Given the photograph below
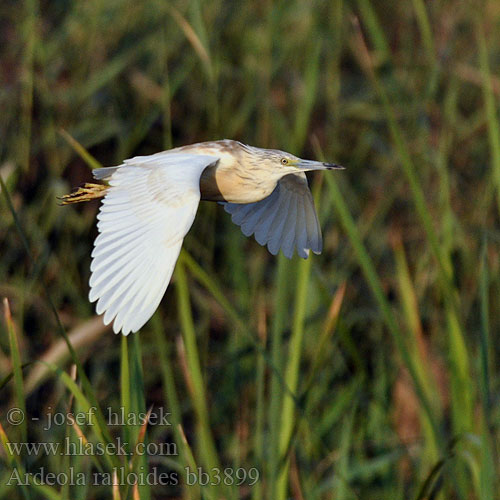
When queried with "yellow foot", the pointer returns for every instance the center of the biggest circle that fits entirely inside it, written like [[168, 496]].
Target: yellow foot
[[86, 193]]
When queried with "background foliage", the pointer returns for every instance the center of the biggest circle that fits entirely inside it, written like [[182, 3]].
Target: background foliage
[[367, 372]]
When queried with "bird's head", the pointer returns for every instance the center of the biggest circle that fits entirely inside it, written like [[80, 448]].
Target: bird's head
[[279, 163]]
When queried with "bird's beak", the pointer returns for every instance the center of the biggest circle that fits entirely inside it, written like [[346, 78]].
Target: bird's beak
[[317, 165]]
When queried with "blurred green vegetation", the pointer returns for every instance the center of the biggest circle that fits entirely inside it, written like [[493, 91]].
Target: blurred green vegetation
[[367, 372]]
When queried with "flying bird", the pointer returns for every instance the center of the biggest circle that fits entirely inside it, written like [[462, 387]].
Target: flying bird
[[149, 204]]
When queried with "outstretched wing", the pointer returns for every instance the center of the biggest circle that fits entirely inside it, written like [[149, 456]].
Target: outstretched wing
[[147, 211], [286, 219]]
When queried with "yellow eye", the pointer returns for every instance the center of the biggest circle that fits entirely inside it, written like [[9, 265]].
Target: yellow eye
[[284, 161]]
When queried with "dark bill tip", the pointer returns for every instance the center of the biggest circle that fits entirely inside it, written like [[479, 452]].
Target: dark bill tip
[[317, 165], [333, 166]]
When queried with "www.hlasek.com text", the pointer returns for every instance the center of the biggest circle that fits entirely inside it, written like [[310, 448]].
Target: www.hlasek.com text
[[81, 447]]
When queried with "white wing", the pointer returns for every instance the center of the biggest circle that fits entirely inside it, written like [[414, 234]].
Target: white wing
[[286, 219], [147, 211]]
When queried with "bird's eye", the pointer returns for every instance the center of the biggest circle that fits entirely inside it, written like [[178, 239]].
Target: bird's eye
[[284, 161]]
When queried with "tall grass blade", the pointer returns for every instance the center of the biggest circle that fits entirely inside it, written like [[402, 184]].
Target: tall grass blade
[[171, 397], [14, 462], [138, 408], [425, 30], [306, 103], [346, 441], [328, 329], [80, 150], [375, 30], [126, 405], [29, 33], [259, 432], [485, 345], [207, 447], [491, 107], [292, 374], [488, 477], [276, 392], [199, 47], [17, 369], [417, 348], [194, 490]]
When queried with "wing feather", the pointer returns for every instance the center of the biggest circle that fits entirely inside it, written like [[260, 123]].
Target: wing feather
[[313, 230], [276, 229], [285, 220], [103, 173], [302, 238], [288, 238], [147, 211], [263, 225], [252, 219]]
